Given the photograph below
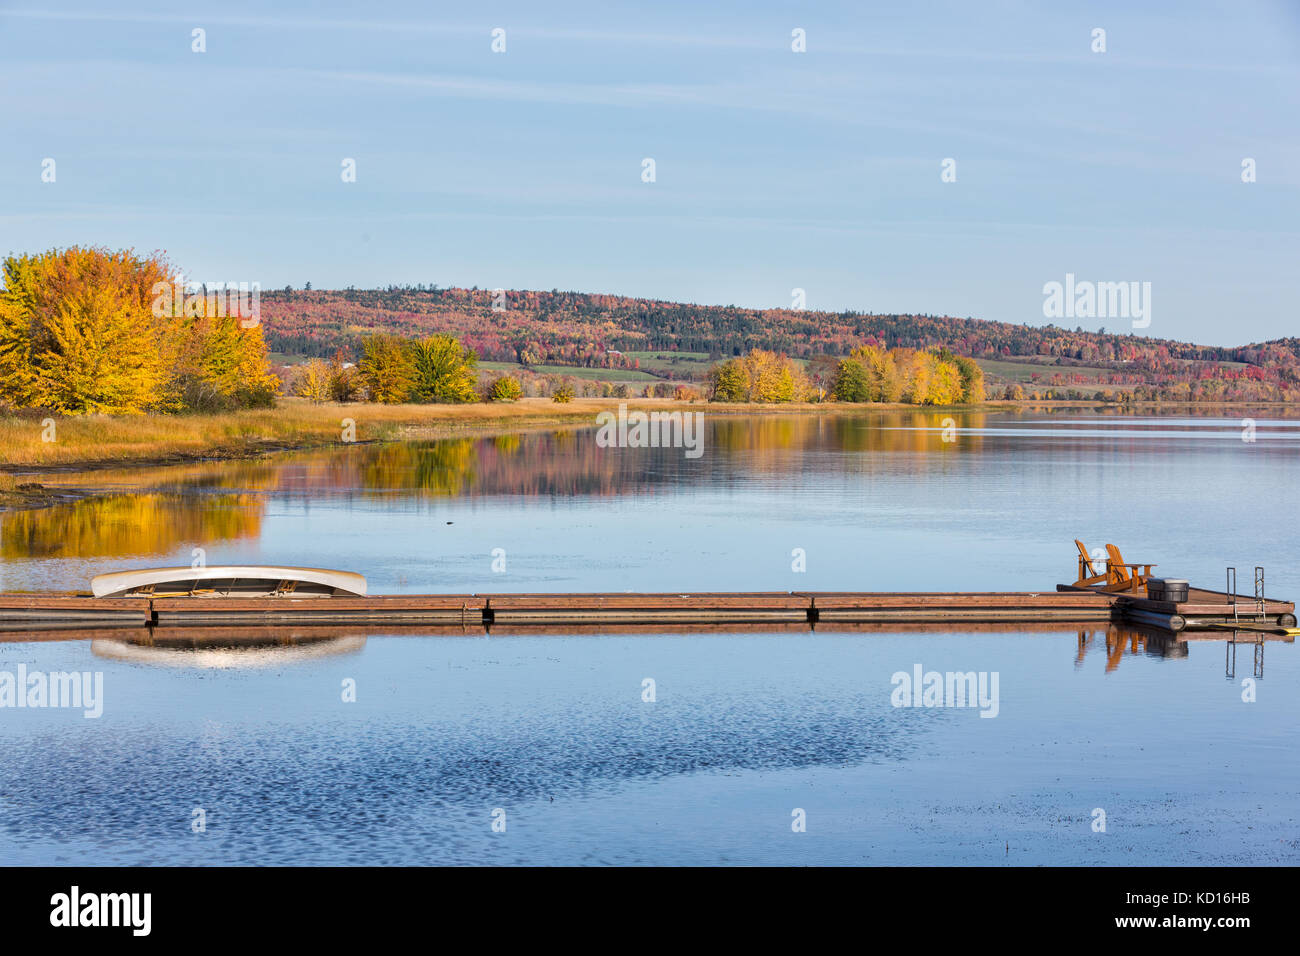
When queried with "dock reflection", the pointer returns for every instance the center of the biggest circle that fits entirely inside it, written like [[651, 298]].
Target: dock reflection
[[273, 646], [1115, 641]]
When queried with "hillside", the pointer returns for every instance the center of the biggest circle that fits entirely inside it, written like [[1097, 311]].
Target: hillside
[[672, 340]]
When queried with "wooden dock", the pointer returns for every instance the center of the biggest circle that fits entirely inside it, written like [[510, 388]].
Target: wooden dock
[[1066, 604], [1203, 609]]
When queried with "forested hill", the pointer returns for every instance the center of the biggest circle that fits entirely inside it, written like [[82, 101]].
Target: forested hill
[[584, 329]]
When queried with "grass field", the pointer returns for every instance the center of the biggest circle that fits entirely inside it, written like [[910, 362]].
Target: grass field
[[694, 364], [586, 374], [1007, 371]]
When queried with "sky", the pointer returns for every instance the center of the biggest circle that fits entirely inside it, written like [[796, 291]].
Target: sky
[[774, 170]]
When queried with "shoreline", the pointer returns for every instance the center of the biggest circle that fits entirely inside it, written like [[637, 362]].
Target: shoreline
[[297, 425], [96, 443]]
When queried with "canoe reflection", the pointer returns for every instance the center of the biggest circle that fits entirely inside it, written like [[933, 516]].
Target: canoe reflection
[[231, 649]]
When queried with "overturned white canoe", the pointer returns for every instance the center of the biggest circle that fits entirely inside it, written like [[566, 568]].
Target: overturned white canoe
[[230, 580]]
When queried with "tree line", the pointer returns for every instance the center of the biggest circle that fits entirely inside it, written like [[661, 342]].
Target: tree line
[[868, 374], [394, 370], [555, 320]]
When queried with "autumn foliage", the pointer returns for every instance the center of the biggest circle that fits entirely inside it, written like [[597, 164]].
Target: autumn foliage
[[387, 369], [760, 376], [504, 389], [874, 374], [394, 370], [81, 332], [592, 330]]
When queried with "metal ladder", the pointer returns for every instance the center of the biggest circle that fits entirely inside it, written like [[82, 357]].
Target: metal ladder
[[1231, 585], [1259, 593]]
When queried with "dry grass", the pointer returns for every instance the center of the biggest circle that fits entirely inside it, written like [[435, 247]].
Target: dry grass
[[294, 423]]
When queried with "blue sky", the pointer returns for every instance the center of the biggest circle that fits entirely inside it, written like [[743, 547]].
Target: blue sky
[[775, 170]]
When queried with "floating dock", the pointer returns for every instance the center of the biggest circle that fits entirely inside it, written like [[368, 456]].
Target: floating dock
[[1203, 610], [1067, 604]]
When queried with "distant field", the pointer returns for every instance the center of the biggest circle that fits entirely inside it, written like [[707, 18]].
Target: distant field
[[588, 374], [1220, 364], [1006, 371], [693, 364], [669, 354]]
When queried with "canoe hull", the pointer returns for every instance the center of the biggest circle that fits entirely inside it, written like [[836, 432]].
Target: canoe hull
[[229, 580]]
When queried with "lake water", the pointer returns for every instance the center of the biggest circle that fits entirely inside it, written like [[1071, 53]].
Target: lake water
[[748, 732]]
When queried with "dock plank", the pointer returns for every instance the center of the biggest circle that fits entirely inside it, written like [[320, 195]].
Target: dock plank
[[713, 608]]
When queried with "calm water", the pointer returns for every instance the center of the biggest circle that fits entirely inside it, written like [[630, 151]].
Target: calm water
[[745, 728]]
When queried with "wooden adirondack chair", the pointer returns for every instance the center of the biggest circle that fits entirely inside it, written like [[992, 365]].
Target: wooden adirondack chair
[[1088, 575], [1125, 576]]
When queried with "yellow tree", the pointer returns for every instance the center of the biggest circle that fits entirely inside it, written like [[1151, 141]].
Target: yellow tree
[[235, 361], [17, 368], [884, 383], [85, 330], [94, 340], [945, 382], [764, 371], [788, 385], [774, 378], [387, 368], [312, 381], [215, 361], [914, 375]]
